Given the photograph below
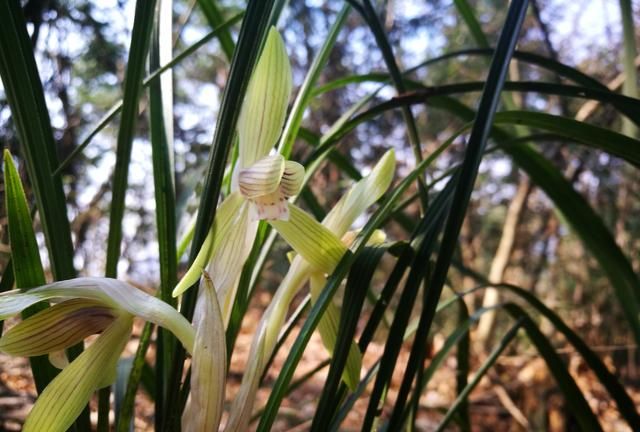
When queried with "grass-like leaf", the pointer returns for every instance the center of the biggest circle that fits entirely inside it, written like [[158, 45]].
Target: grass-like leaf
[[161, 125], [254, 28], [474, 152], [215, 17], [140, 37], [357, 285], [491, 359], [25, 258], [29, 113]]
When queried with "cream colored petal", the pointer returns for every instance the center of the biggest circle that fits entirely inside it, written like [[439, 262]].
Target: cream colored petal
[[57, 328], [59, 359], [270, 207], [265, 104], [361, 195], [292, 179], [230, 255], [67, 395], [110, 292], [226, 218], [263, 177]]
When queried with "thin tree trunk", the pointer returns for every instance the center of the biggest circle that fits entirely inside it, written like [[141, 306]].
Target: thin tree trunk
[[501, 259]]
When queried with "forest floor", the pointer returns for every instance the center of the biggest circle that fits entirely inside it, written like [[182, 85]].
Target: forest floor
[[518, 394]]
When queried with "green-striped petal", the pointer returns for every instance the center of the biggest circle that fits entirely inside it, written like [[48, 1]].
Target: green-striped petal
[[314, 242], [328, 328], [226, 217], [265, 104], [292, 179], [261, 178], [110, 292], [57, 328], [229, 257], [208, 367], [361, 195], [66, 396], [264, 344]]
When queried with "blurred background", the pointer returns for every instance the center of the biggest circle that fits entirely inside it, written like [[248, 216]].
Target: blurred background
[[511, 232]]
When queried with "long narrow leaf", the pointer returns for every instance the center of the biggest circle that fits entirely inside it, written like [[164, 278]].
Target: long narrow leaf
[[214, 16], [25, 258], [140, 37], [475, 149], [254, 28], [161, 122], [31, 118]]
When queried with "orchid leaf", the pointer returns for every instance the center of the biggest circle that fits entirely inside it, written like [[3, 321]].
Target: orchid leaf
[[265, 104], [313, 241], [25, 256], [65, 397], [57, 328]]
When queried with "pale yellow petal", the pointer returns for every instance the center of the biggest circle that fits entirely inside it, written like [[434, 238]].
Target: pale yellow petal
[[230, 255], [361, 195], [226, 218], [57, 328], [292, 179], [208, 367], [112, 293], [67, 395], [314, 242], [261, 178], [265, 104]]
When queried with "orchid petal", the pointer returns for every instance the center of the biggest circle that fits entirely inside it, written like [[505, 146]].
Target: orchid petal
[[292, 179], [240, 414], [314, 242], [361, 195], [208, 367], [57, 328], [328, 328], [59, 359], [264, 344], [270, 207], [265, 104], [67, 395], [110, 292], [229, 257], [225, 219], [263, 177]]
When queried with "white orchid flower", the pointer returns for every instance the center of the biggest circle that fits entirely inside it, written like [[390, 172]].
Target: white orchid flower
[[86, 306], [261, 187], [338, 221]]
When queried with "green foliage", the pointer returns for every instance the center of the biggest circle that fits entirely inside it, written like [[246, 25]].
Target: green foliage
[[423, 212]]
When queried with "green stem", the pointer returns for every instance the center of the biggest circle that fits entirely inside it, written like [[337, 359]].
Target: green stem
[[630, 87]]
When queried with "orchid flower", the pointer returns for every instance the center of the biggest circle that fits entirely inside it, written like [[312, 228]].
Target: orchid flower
[[82, 307], [338, 221], [85, 306], [261, 186], [262, 183]]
